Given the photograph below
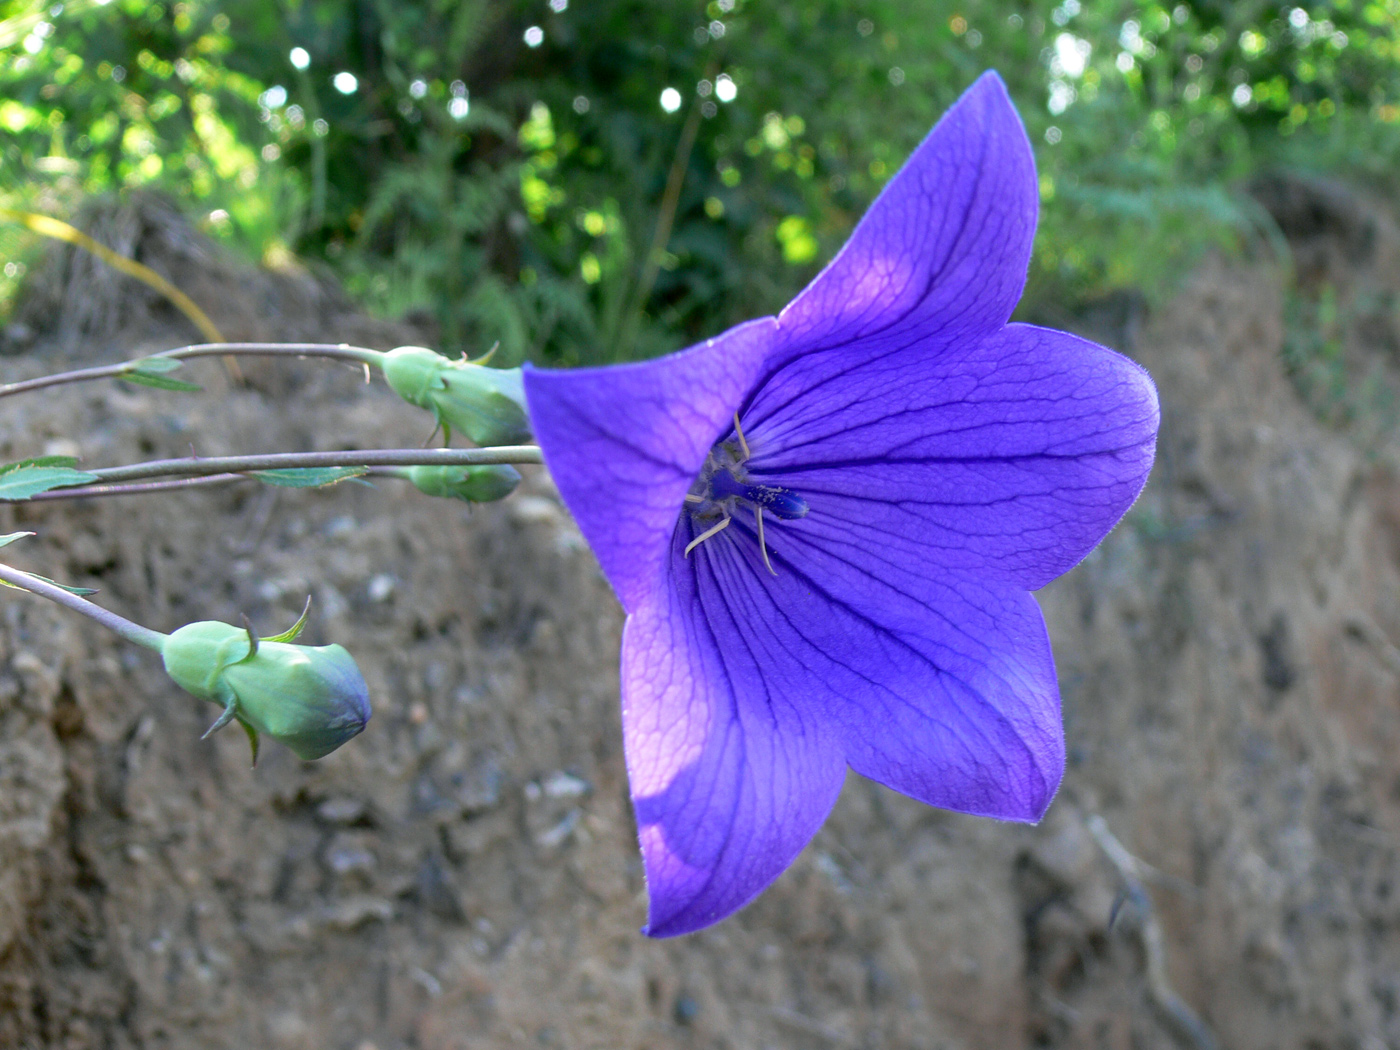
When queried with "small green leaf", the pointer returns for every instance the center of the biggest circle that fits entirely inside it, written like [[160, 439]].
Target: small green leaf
[[5, 541], [151, 371], [308, 477], [79, 591], [22, 482], [40, 461], [160, 382]]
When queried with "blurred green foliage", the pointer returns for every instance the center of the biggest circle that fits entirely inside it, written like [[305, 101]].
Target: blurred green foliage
[[593, 180]]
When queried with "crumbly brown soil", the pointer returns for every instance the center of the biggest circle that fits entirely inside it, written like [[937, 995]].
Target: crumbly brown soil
[[464, 874]]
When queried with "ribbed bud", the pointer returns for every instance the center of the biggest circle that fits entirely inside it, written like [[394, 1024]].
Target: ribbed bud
[[486, 404], [310, 697]]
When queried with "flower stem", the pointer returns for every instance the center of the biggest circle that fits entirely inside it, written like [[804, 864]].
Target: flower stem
[[334, 351], [132, 632], [378, 457], [138, 488], [142, 488]]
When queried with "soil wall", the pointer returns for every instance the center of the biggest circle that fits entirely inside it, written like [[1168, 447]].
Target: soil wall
[[465, 875]]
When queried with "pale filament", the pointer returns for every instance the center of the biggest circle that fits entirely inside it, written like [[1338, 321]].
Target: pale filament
[[705, 536], [763, 547], [743, 444]]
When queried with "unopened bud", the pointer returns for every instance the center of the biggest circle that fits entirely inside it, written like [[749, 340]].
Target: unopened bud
[[478, 484], [486, 404], [310, 697]]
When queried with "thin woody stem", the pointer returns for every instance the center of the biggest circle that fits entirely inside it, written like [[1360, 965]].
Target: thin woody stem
[[142, 488], [132, 632], [379, 457], [334, 351], [137, 488]]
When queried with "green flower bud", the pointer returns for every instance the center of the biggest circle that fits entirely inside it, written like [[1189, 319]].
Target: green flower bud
[[486, 404], [310, 697], [480, 484]]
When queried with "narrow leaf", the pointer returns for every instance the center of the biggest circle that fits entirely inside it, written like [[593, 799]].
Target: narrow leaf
[[152, 371], [308, 477], [24, 482], [160, 382], [79, 591], [5, 541], [290, 634], [40, 461]]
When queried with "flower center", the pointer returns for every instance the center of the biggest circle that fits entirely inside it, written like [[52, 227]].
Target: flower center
[[723, 483]]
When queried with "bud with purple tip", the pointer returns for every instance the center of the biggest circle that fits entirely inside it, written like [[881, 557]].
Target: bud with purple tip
[[310, 697]]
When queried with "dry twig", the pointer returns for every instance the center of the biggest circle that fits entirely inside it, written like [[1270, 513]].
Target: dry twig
[[1184, 1022]]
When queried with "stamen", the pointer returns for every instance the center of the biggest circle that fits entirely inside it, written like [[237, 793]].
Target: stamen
[[740, 431], [692, 498], [705, 536], [763, 547]]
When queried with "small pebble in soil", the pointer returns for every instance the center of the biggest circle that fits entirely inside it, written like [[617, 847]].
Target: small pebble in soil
[[344, 810], [381, 588], [686, 1010], [565, 785]]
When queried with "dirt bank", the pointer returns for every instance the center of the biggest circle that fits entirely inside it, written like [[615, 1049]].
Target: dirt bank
[[464, 875]]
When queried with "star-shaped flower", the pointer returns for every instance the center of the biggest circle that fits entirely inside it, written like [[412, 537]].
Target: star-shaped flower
[[824, 528]]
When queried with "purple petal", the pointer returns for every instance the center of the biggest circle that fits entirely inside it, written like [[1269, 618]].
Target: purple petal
[[730, 779], [939, 686], [972, 723], [624, 444], [1009, 458], [945, 247]]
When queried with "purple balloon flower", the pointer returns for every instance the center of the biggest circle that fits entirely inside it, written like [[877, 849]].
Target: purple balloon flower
[[824, 528]]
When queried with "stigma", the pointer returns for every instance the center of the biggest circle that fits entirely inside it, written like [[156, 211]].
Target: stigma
[[780, 502]]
